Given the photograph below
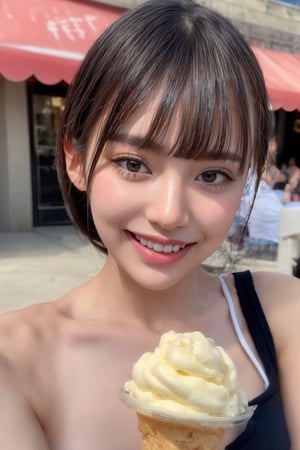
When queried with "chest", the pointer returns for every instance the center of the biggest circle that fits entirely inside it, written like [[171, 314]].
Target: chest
[[82, 408]]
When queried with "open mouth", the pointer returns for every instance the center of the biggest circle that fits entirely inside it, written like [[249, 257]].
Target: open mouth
[[158, 247]]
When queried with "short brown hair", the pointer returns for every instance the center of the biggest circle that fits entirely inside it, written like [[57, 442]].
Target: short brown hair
[[194, 56]]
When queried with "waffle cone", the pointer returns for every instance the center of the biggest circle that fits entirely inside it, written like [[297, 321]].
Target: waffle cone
[[163, 435]]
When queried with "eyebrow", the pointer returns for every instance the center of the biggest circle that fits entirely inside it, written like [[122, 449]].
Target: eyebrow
[[140, 143]]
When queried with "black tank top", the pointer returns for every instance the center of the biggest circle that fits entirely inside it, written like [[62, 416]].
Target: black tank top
[[267, 428]]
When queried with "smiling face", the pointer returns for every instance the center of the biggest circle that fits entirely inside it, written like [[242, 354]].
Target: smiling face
[[158, 215], [218, 73]]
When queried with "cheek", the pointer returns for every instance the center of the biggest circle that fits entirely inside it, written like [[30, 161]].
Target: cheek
[[105, 197], [221, 211], [110, 201]]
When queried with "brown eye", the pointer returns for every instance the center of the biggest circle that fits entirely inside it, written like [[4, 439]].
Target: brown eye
[[214, 178], [133, 165], [209, 177]]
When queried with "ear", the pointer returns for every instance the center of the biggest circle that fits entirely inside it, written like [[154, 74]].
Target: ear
[[74, 166]]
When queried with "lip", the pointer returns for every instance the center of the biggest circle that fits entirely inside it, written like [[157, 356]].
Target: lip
[[159, 240], [158, 258]]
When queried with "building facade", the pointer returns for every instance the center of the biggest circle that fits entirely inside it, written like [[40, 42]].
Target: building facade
[[30, 110], [269, 23]]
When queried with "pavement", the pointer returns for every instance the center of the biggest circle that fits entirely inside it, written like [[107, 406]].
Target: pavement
[[43, 264], [47, 262]]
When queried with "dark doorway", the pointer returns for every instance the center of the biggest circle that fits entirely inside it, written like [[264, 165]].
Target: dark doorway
[[46, 105]]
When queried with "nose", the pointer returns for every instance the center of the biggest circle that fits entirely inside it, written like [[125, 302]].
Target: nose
[[168, 203]]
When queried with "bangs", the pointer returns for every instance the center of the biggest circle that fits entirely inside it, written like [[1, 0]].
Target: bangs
[[214, 88], [210, 124]]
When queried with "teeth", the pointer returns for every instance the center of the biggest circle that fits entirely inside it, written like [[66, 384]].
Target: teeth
[[160, 248]]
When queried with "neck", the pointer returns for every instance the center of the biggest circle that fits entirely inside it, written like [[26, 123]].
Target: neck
[[130, 303]]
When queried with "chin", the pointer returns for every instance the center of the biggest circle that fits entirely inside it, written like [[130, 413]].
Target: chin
[[157, 281]]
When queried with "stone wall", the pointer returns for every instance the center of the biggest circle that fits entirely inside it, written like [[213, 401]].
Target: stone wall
[[263, 22]]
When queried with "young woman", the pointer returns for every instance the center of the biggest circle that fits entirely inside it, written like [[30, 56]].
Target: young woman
[[162, 122]]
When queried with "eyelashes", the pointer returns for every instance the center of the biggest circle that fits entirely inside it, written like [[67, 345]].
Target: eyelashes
[[215, 178], [133, 167]]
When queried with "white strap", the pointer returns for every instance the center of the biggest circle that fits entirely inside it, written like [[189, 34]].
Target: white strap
[[239, 333]]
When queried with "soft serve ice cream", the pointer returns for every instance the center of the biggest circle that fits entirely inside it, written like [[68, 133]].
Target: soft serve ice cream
[[185, 394], [187, 373]]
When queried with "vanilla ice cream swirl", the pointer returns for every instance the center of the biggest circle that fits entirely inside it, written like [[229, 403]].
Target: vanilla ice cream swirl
[[188, 372]]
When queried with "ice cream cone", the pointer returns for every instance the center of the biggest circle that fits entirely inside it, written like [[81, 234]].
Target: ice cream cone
[[186, 395], [165, 435]]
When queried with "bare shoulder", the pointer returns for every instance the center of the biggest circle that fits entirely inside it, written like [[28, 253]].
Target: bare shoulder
[[276, 288], [24, 345], [25, 333], [280, 297]]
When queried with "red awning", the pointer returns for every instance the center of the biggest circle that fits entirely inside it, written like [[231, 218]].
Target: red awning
[[48, 38], [282, 75]]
